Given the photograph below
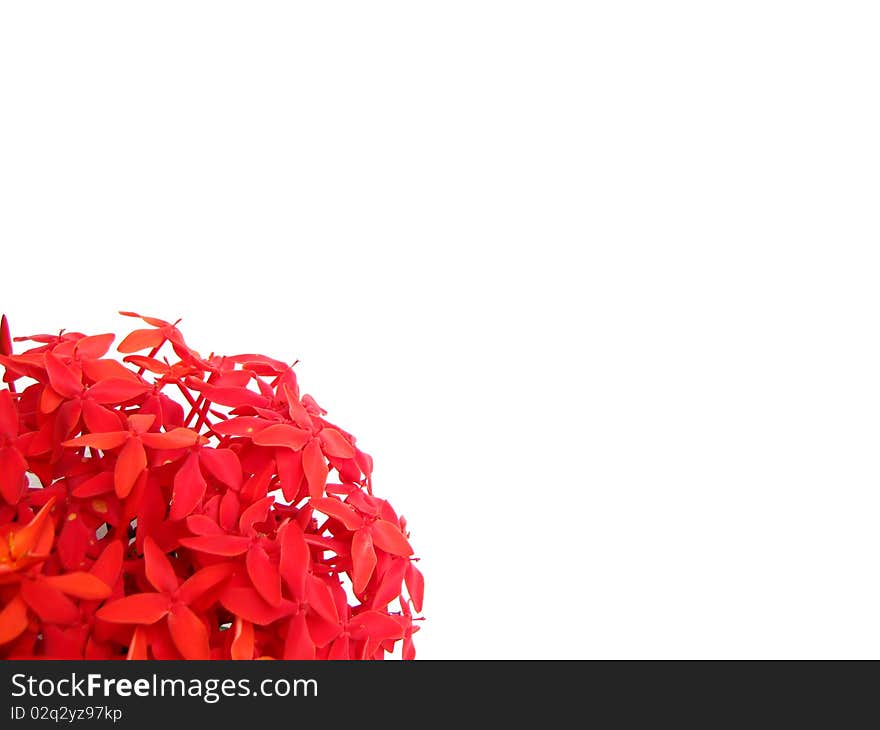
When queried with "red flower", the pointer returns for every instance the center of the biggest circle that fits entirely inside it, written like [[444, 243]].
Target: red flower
[[131, 460], [370, 531], [171, 601], [48, 596], [246, 540], [157, 529]]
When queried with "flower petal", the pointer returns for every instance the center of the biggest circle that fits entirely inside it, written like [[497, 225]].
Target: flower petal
[[149, 363], [245, 602], [108, 566], [315, 468], [99, 419], [363, 559], [290, 472], [130, 463], [176, 438], [98, 370], [73, 542], [254, 514], [243, 640], [189, 488], [335, 444], [137, 647], [139, 608], [321, 630], [117, 390], [67, 419], [94, 346], [141, 422], [155, 321], [340, 649], [264, 575], [49, 603], [5, 338], [29, 366], [79, 585], [298, 414], [102, 441], [415, 584], [13, 620], [223, 465], [12, 469], [158, 568], [339, 511], [229, 511], [64, 380], [240, 426], [408, 651], [189, 633], [8, 416], [282, 435], [101, 483], [141, 339], [50, 400], [321, 599], [295, 558], [203, 525], [388, 537], [204, 580], [391, 583], [227, 545], [27, 538], [374, 625], [298, 644]]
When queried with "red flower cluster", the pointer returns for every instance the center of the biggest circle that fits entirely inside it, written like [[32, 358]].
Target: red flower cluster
[[200, 531]]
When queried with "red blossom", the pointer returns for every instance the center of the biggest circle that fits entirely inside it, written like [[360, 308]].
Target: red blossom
[[193, 507]]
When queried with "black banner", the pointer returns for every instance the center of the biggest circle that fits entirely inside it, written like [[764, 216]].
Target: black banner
[[244, 694]]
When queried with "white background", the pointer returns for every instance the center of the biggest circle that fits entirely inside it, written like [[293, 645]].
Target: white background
[[595, 283]]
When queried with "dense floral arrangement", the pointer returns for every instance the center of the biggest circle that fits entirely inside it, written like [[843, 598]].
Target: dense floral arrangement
[[199, 526]]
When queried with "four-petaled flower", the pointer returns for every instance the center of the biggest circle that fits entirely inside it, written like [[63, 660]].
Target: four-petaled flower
[[171, 601]]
